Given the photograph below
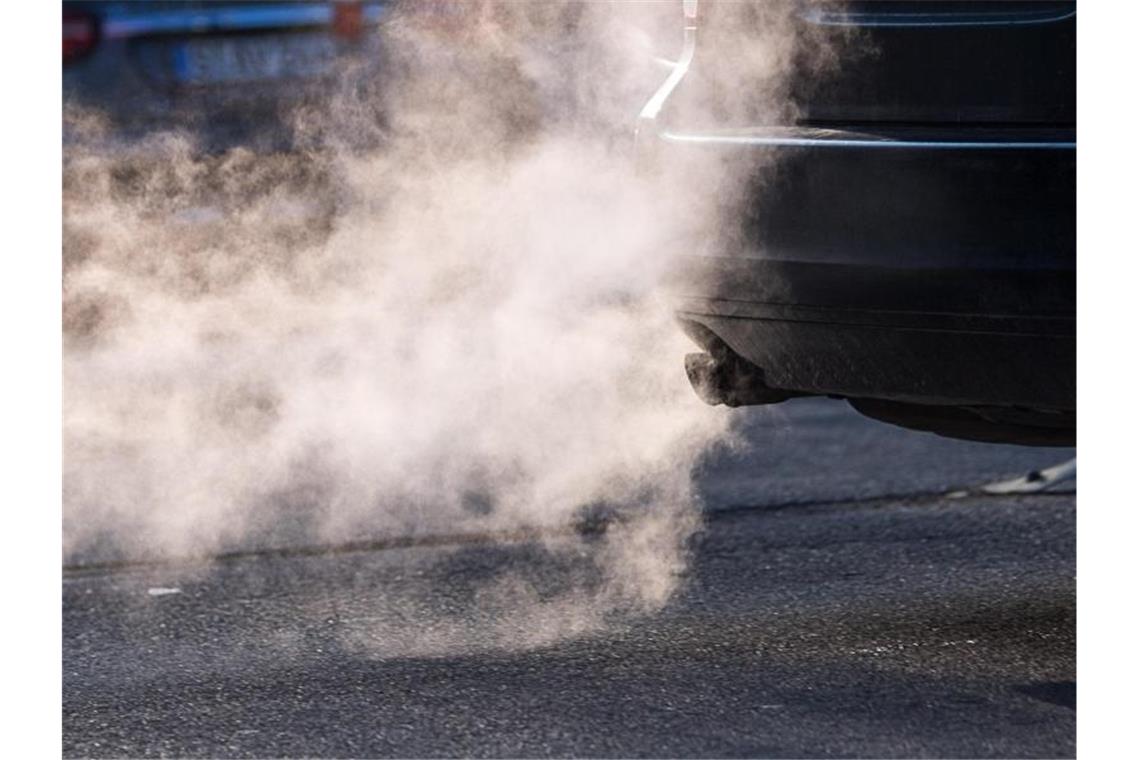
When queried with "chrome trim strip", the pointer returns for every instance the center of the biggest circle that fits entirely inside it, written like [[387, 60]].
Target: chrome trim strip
[[823, 17], [808, 142]]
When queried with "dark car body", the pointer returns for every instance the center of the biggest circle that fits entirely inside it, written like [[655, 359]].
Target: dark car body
[[231, 72], [907, 240]]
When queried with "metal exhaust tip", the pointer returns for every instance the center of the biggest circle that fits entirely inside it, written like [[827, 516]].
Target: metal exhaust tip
[[702, 371], [731, 381]]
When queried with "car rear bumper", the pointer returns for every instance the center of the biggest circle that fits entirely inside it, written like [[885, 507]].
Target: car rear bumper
[[915, 356], [918, 265]]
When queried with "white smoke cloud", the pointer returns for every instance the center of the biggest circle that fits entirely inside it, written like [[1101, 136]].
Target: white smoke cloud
[[454, 329]]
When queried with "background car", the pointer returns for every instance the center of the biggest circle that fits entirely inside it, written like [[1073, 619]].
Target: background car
[[229, 72]]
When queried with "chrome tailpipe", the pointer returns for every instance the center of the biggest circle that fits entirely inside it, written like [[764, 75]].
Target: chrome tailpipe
[[725, 378]]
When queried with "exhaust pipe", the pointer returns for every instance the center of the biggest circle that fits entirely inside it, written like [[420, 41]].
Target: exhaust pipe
[[725, 378]]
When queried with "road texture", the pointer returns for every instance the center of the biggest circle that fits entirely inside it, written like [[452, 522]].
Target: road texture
[[837, 603]]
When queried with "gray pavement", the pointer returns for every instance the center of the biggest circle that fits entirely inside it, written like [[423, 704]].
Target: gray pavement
[[837, 603]]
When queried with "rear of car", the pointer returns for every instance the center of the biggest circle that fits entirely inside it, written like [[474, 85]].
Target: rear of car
[[230, 72], [907, 237]]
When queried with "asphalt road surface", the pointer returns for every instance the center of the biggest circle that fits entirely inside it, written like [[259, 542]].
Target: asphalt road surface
[[837, 603]]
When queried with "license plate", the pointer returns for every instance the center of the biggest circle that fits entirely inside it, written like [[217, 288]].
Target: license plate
[[232, 60]]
